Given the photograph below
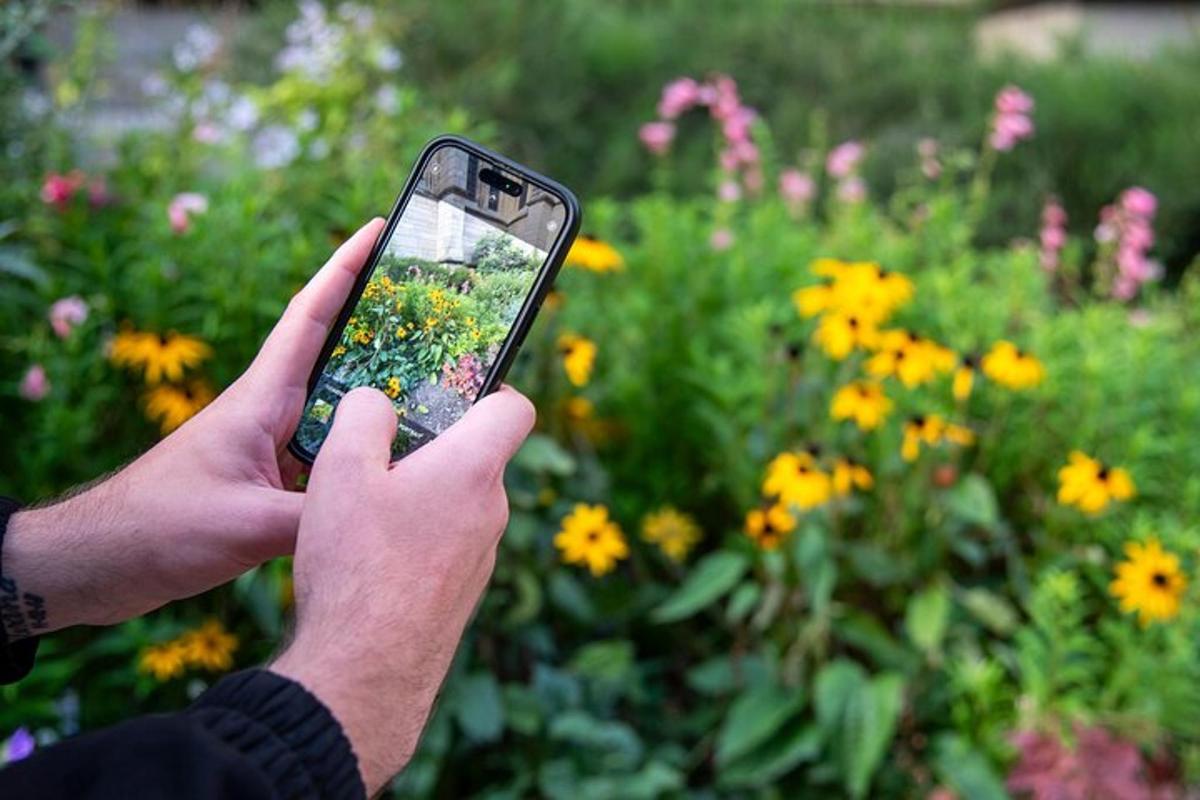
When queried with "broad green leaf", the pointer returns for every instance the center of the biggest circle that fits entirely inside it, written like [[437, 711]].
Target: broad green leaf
[[926, 617], [711, 578], [479, 708], [521, 709], [742, 601], [568, 595], [973, 501], [836, 683], [616, 741], [965, 770], [608, 660], [541, 454], [754, 717], [792, 745], [528, 601], [722, 674], [866, 633], [992, 609], [867, 730]]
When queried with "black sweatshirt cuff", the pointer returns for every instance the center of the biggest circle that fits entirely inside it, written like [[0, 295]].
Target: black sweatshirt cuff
[[16, 659], [285, 731]]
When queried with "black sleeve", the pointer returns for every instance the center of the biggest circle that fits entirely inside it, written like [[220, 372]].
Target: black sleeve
[[16, 659], [253, 735]]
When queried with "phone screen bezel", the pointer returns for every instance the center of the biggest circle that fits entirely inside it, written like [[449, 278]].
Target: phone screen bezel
[[533, 301]]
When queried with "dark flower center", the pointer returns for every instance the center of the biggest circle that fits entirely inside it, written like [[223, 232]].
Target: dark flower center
[[163, 340], [1159, 580], [593, 536], [1102, 474]]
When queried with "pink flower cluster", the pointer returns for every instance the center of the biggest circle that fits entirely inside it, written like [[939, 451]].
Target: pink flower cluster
[[35, 385], [1099, 765], [1012, 122], [797, 189], [720, 96], [67, 312], [1053, 234], [1128, 224], [182, 207], [59, 189], [927, 150], [842, 164]]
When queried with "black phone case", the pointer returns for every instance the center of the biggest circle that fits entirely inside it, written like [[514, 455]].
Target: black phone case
[[545, 278]]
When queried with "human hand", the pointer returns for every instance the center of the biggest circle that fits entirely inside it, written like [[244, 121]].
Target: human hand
[[204, 505], [390, 563]]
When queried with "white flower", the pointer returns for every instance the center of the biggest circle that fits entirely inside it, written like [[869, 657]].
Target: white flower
[[197, 48], [275, 146], [360, 16], [318, 148], [307, 120], [243, 114], [387, 99], [154, 85], [388, 58]]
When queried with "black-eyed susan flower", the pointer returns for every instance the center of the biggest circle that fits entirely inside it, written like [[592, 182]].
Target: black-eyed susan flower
[[861, 401], [1090, 486], [392, 389], [590, 538], [160, 356], [931, 430], [579, 356], [910, 358], [171, 405], [674, 532], [848, 474], [209, 647], [1149, 582], [590, 253], [862, 288], [769, 526], [840, 334], [1009, 366], [964, 378], [163, 661], [795, 479]]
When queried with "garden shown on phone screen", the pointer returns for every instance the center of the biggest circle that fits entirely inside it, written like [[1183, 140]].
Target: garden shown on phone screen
[[441, 301]]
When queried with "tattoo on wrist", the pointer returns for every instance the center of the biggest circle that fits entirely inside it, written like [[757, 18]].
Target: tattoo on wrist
[[21, 614]]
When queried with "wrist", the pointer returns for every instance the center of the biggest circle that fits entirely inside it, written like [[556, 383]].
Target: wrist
[[382, 724]]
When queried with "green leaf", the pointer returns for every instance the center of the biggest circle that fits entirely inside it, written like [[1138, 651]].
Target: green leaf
[[568, 595], [792, 745], [608, 660], [868, 728], [753, 718], [742, 601], [965, 770], [479, 707], [973, 501], [619, 743], [711, 578], [835, 684], [992, 609], [926, 618], [720, 675], [541, 454], [521, 709]]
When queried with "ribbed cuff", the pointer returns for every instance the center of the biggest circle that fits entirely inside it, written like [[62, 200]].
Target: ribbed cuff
[[16, 660], [285, 731]]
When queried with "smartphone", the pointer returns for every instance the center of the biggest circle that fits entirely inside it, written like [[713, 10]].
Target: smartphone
[[447, 295]]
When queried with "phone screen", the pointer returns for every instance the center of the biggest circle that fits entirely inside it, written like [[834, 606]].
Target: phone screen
[[443, 297]]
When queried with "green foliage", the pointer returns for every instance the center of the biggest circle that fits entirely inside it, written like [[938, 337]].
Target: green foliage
[[889, 645]]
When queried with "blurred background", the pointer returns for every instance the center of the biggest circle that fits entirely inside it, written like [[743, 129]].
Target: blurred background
[[922, 529]]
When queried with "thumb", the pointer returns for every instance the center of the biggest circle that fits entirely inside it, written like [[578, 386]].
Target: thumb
[[492, 430], [364, 425]]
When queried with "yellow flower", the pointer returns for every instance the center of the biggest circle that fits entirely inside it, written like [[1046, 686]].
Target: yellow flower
[[595, 255], [363, 336], [171, 406], [401, 331], [590, 538], [1009, 366], [795, 480], [849, 474], [579, 409], [964, 378], [840, 334], [910, 358], [162, 356], [862, 401], [674, 532], [164, 661], [1090, 485], [812, 300], [338, 351], [393, 387], [930, 430], [862, 289], [210, 646], [579, 356], [1149, 582], [769, 526]]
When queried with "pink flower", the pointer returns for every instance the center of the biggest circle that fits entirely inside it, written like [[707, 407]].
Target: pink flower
[[1139, 202], [182, 207], [754, 180], [57, 190], [729, 191], [65, 313], [35, 385], [1054, 215], [1053, 234], [852, 190], [927, 149], [678, 96], [1053, 238], [1011, 100], [844, 159], [736, 126], [796, 187], [657, 136], [721, 239], [98, 194]]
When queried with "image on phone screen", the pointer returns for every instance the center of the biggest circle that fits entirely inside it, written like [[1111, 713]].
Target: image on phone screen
[[442, 298]]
